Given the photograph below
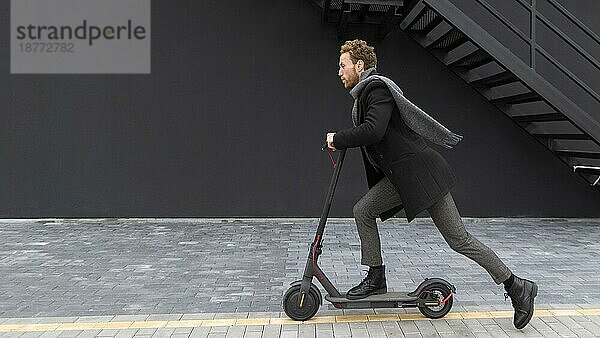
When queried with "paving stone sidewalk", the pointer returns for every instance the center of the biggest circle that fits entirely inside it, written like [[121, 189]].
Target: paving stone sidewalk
[[85, 267], [188, 325]]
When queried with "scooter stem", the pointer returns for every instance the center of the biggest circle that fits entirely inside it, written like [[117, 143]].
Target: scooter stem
[[329, 198], [312, 268]]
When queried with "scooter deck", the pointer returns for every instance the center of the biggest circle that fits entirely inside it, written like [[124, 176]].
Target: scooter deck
[[386, 297]]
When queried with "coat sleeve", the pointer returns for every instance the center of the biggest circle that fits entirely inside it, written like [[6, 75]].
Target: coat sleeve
[[380, 105]]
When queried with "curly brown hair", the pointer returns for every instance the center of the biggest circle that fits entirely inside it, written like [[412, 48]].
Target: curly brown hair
[[360, 50]]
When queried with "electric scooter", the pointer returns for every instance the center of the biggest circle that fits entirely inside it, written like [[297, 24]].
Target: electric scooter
[[433, 297]]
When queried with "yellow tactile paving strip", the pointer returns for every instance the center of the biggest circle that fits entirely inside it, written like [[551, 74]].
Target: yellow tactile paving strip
[[25, 327]]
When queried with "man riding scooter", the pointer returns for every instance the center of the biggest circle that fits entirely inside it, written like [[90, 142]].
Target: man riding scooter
[[404, 172]]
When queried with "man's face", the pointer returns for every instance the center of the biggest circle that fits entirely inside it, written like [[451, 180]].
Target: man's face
[[348, 72]]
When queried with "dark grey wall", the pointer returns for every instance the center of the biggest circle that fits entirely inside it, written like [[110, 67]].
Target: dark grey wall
[[231, 120]]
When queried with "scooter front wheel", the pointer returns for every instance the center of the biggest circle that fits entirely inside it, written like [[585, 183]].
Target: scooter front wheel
[[442, 295], [301, 309]]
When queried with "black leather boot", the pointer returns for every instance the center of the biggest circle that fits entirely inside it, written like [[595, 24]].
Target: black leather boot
[[521, 293], [373, 284]]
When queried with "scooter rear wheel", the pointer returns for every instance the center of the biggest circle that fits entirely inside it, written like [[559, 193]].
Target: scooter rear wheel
[[438, 292], [291, 303]]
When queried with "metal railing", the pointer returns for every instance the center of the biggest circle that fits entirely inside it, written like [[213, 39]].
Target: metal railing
[[534, 47], [506, 58]]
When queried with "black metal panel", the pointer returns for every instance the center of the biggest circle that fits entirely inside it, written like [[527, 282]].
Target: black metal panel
[[562, 136], [477, 62], [550, 117], [412, 13], [587, 170], [431, 25], [471, 60], [517, 99], [448, 41], [426, 17], [580, 154], [499, 79]]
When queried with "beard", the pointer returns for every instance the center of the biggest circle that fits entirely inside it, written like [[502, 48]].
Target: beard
[[352, 80]]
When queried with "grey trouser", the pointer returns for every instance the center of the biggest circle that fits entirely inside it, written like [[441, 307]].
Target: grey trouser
[[383, 196]]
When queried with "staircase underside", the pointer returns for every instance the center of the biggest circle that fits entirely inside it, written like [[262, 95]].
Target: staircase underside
[[488, 67]]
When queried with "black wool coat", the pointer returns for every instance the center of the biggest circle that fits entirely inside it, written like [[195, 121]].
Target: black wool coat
[[420, 174]]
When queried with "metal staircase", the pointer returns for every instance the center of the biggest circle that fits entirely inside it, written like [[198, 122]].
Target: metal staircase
[[513, 86], [383, 14]]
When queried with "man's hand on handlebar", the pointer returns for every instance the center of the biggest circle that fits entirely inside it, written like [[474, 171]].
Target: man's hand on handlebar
[[330, 141]]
